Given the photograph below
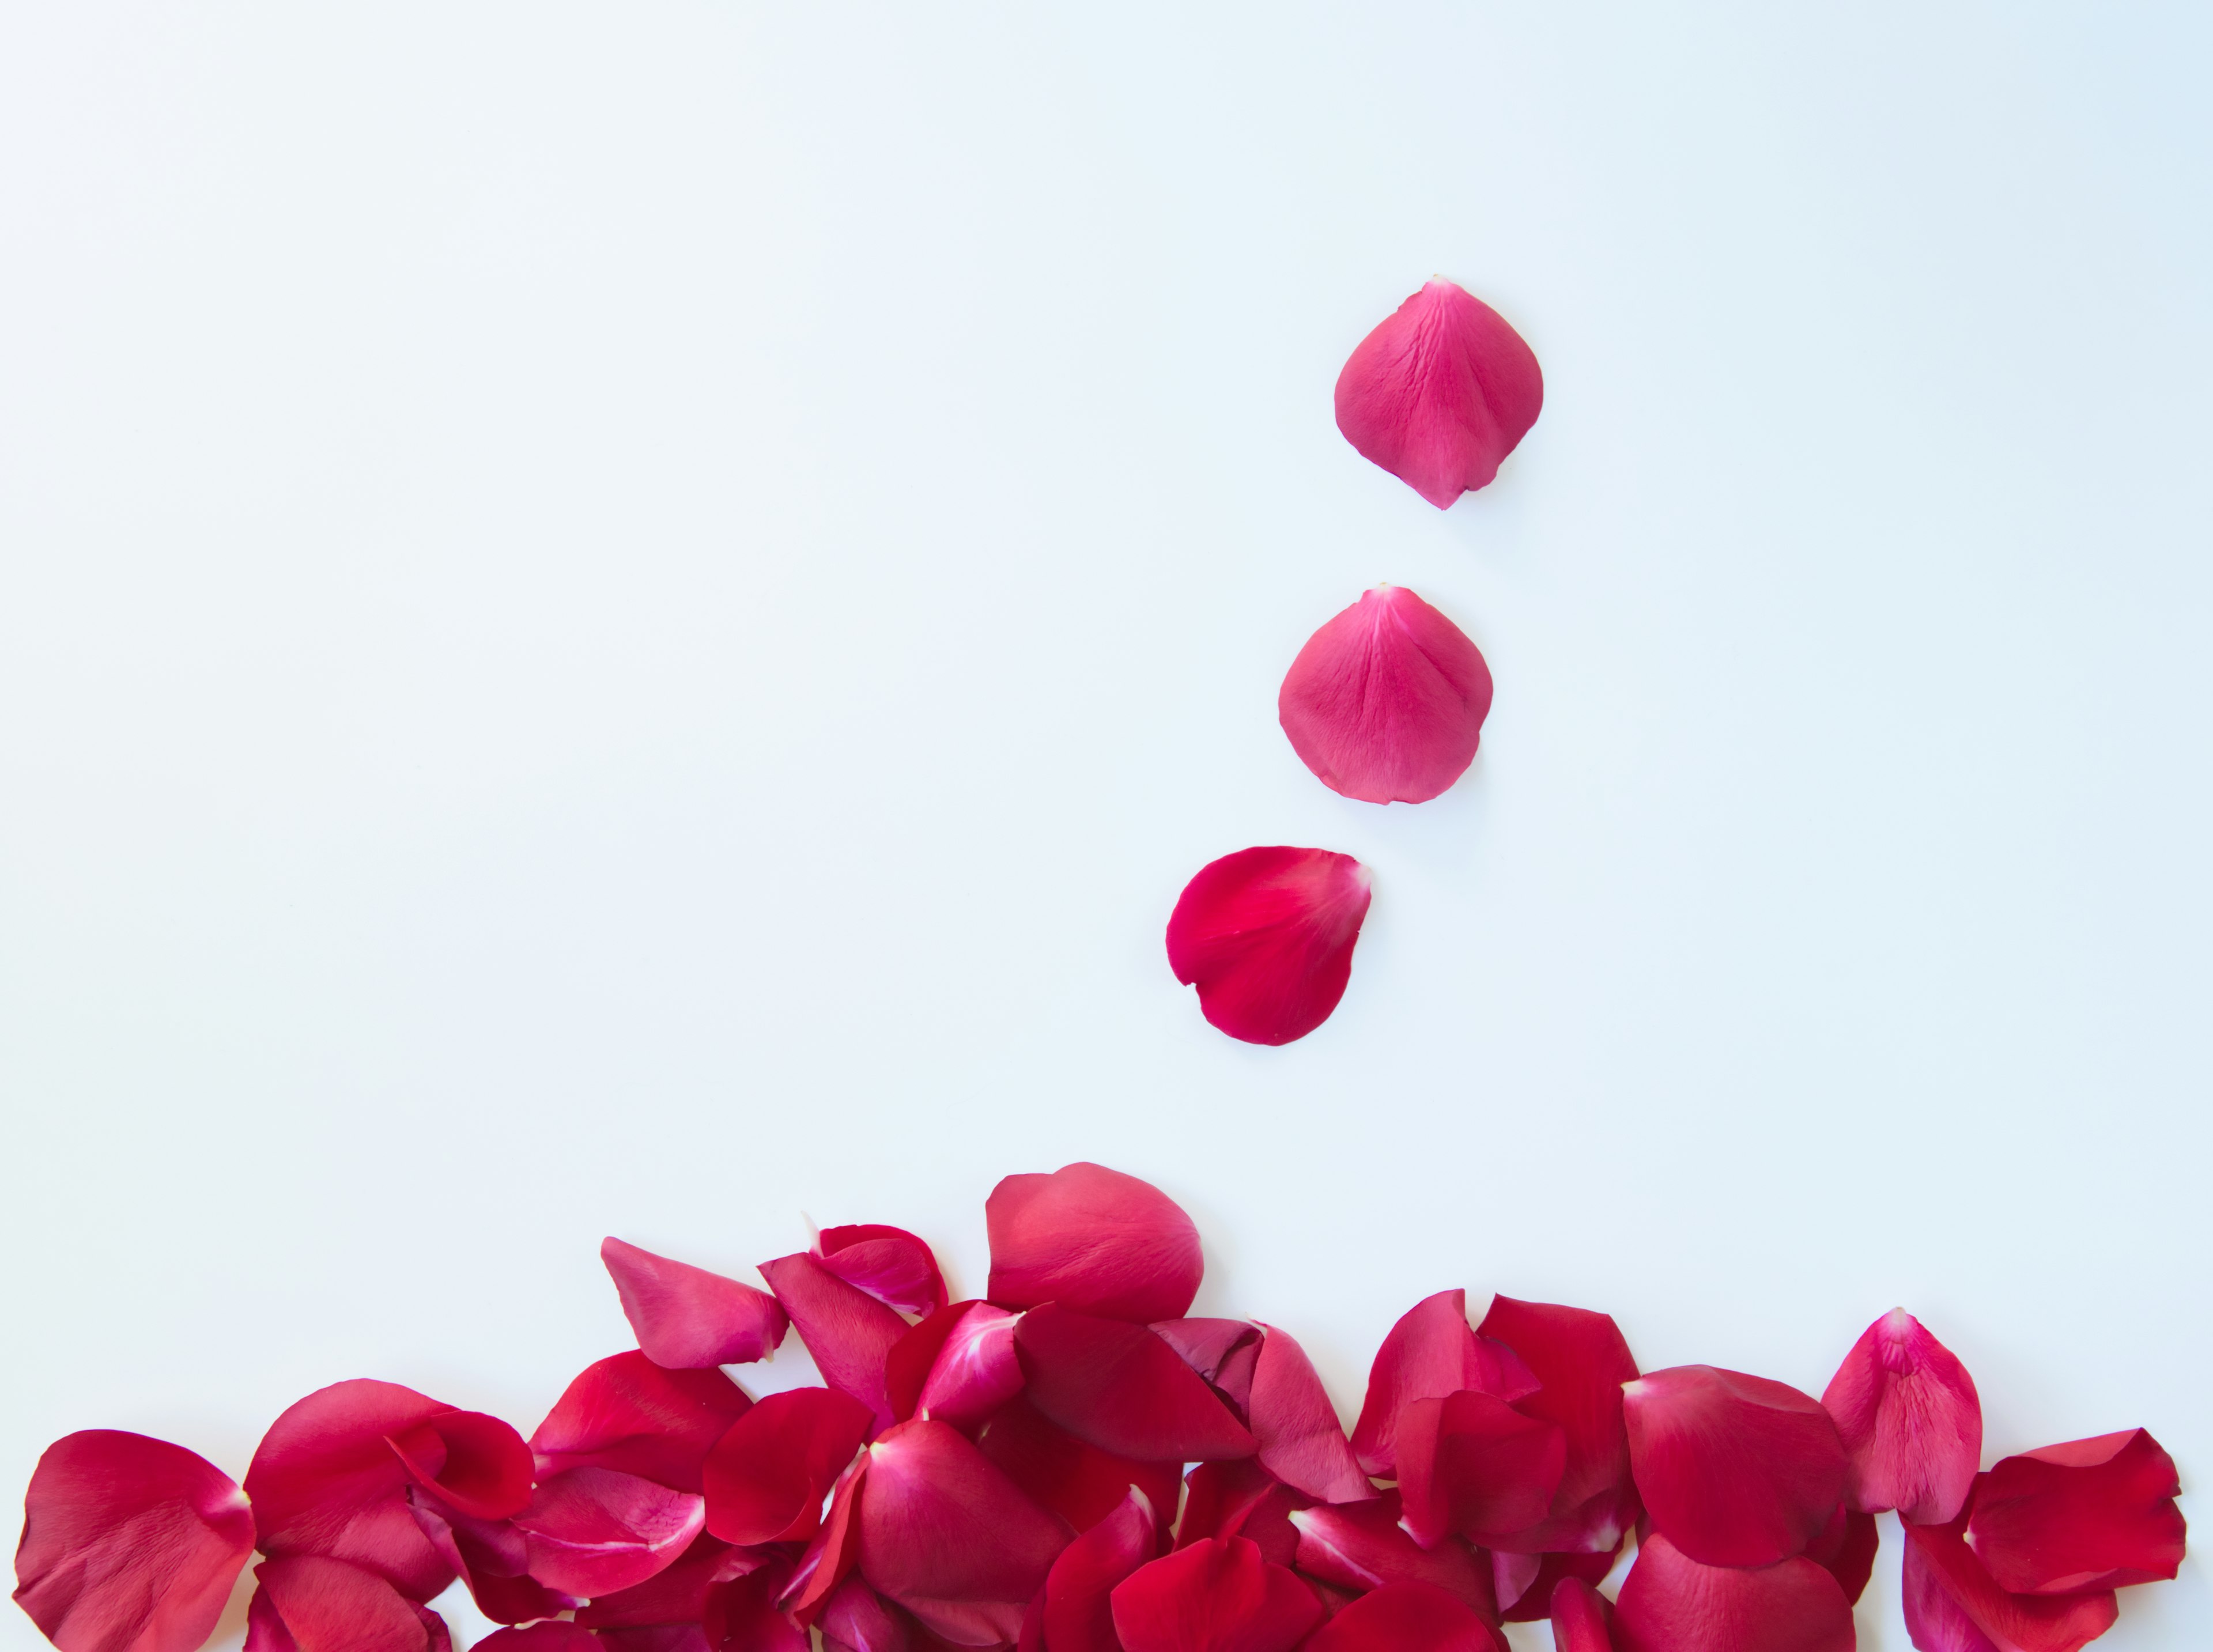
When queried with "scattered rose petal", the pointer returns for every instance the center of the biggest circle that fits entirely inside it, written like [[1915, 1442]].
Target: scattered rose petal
[[1402, 1616], [858, 1619], [593, 1531], [1846, 1549], [2095, 1513], [1121, 1387], [1240, 1498], [1577, 1362], [766, 1477], [1301, 1441], [1440, 392], [1266, 935], [1582, 1618], [476, 1465], [959, 1365], [829, 1559], [1210, 1346], [1093, 1240], [1218, 1596], [1947, 1591], [890, 1263], [1671, 1603], [850, 1332], [551, 1636], [628, 1414], [1361, 1546], [492, 1558], [1430, 1353], [1077, 1615], [1076, 1480], [1470, 1463], [1910, 1422], [307, 1603], [688, 1319], [1528, 1600], [740, 1614], [678, 1593]]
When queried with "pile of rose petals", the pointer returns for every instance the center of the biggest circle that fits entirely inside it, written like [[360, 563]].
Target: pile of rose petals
[[1072, 1464]]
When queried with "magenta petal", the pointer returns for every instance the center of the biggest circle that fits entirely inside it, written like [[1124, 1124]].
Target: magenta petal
[[1470, 1463], [1362, 1546], [1440, 392], [1578, 1361], [1208, 1345], [959, 1365], [1401, 1617], [306, 1603], [857, 1619], [1910, 1423], [2095, 1513], [1094, 1240], [1077, 1615], [1385, 703], [1266, 935], [890, 1263], [129, 1543], [1240, 1498], [1846, 1550], [1582, 1618], [627, 1413], [492, 1558], [688, 1319], [766, 1477], [1218, 1596], [1945, 1585], [1671, 1603], [850, 1332], [1301, 1441], [828, 1561], [741, 1616], [1430, 1353], [552, 1635], [1076, 1480], [476, 1464], [1734, 1469], [1526, 1597], [594, 1531], [678, 1592], [1123, 1389]]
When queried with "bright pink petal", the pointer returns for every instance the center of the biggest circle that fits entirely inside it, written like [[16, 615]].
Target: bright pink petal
[[850, 1332], [1361, 1546], [1440, 392], [1430, 1353], [129, 1543], [1846, 1549], [1240, 1498], [688, 1319], [492, 1558], [1578, 1361], [959, 1365], [1301, 1441], [1910, 1422], [1078, 1617], [628, 1414], [1266, 935], [551, 1636], [2095, 1513], [766, 1477], [1076, 1481], [1526, 1597], [1094, 1240], [830, 1558], [1123, 1389], [1946, 1586], [948, 1536], [890, 1263], [1400, 1617], [1218, 1596], [858, 1619], [309, 1604], [1734, 1469], [1671, 1603], [1582, 1618], [593, 1531], [1385, 703], [1472, 1464], [475, 1464]]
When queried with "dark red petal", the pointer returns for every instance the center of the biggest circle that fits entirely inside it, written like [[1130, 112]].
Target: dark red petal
[[1846, 1549], [1440, 392], [1735, 1469], [1094, 1240], [959, 1365], [1078, 1482], [890, 1263], [1671, 1603], [2095, 1513], [766, 1477], [857, 1618], [551, 1636], [1385, 703], [1428, 1354], [1123, 1389], [829, 1559], [1360, 1547], [1528, 1600], [740, 1614], [1240, 1498], [1470, 1463], [593, 1531], [628, 1414], [312, 1604], [129, 1543], [1402, 1616], [1218, 1596], [948, 1536], [850, 1332], [1910, 1422], [492, 1558], [1301, 1441], [476, 1464], [1077, 1616], [1580, 1361], [1266, 935], [325, 1481], [688, 1319], [1945, 1584], [1582, 1618]]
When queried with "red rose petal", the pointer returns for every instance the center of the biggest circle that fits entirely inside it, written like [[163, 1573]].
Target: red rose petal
[[307, 1603], [1846, 1550], [688, 1319], [1217, 1595], [2095, 1513], [1671, 1603], [890, 1263], [1734, 1469], [1947, 1587], [1440, 392], [549, 1637], [678, 1593], [1208, 1346], [1077, 1616], [1360, 1547], [1266, 935], [1076, 1481], [1527, 1598], [1094, 1240], [129, 1543], [740, 1614], [766, 1477], [476, 1465], [1385, 703], [1910, 1422], [1121, 1387], [959, 1365], [628, 1414], [1430, 1353], [1401, 1617], [593, 1531], [1470, 1463], [829, 1559], [850, 1332], [1582, 1618], [492, 1558], [1579, 1361], [1240, 1498], [1301, 1441], [858, 1619]]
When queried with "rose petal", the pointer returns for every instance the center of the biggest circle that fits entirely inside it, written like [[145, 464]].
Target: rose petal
[[1385, 703], [1400, 1617], [741, 1616], [307, 1603], [1529, 1598], [1910, 1422], [475, 1464], [655, 1638], [1945, 1586], [1266, 935], [492, 1559], [890, 1263], [1078, 1617], [1217, 1595], [1123, 1389], [1582, 1618], [1440, 392], [829, 1559], [129, 1543], [1671, 1603], [766, 1477], [2095, 1514], [1076, 1481], [592, 1531], [858, 1619], [1094, 1240], [850, 1332], [628, 1414], [552, 1635], [1430, 1353], [1301, 1441], [1734, 1469], [678, 1594], [1579, 1361], [688, 1319], [1360, 1547], [1470, 1463], [959, 1365], [1240, 1498], [1846, 1550], [1209, 1346]]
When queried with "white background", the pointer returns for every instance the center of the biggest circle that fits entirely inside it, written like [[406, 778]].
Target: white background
[[628, 618]]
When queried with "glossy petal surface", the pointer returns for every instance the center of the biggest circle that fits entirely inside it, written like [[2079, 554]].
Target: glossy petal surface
[[1077, 1614], [1361, 1546], [1218, 1596], [850, 1332], [307, 1603], [2096, 1513], [1910, 1423], [1734, 1469], [627, 1413], [1671, 1603], [1093, 1240], [1582, 1618], [1946, 1584], [1577, 1361], [1301, 1441], [688, 1319], [1404, 1617], [1121, 1387], [890, 1263], [766, 1477], [593, 1531], [492, 1558], [1266, 935], [959, 1365]]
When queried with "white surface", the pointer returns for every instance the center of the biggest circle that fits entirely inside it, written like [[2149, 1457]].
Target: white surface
[[627, 619]]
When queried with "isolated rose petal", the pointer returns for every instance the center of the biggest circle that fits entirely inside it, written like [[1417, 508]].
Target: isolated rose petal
[[1076, 1480], [1734, 1469], [593, 1531], [1301, 1441], [1846, 1550], [766, 1477], [1582, 1618], [1094, 1240], [2095, 1514], [129, 1543], [959, 1365], [1945, 1585], [1526, 1597], [1671, 1603], [1266, 935], [1403, 1617], [628, 1414], [857, 1618], [829, 1559], [1385, 703], [688, 1319], [1123, 1389], [306, 1603], [850, 1332], [492, 1558], [1361, 1546], [1910, 1422], [1077, 1615], [1240, 1498], [1440, 392], [1577, 1361], [890, 1263], [1472, 1464], [1430, 1353], [1217, 1595], [476, 1465]]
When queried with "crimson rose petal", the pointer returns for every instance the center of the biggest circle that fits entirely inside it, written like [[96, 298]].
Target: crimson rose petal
[[1526, 1582], [890, 1263], [828, 1560], [1578, 1361], [1094, 1240], [1218, 1596], [1440, 392], [959, 1365], [1398, 1617], [2095, 1513], [1240, 1498], [766, 1477], [850, 1332], [1301, 1442], [688, 1319], [1910, 1422], [1947, 1587], [1078, 1617], [1582, 1618], [742, 1614], [857, 1619], [1076, 1480], [476, 1464], [1470, 1463], [307, 1603], [1847, 1549], [626, 1413], [1671, 1603], [1266, 935], [492, 1558], [1123, 1389], [1362, 1546], [593, 1531], [129, 1543], [551, 1636], [1430, 1353]]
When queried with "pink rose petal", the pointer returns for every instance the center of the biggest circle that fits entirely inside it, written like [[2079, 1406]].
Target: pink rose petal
[[1430, 1353], [1582, 1618], [1301, 1441], [1362, 1546], [1578, 1361], [959, 1365], [1846, 1550], [1077, 1614], [1403, 1617], [1217, 1595], [1094, 1240], [306, 1603], [2095, 1513], [1266, 935], [593, 1531], [766, 1477], [890, 1263], [850, 1332], [1121, 1388], [1949, 1592], [688, 1319], [1910, 1422], [475, 1465], [1671, 1603], [627, 1413]]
